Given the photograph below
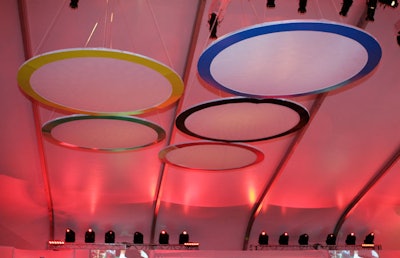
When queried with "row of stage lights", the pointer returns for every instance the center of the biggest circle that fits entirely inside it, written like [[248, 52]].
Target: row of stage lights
[[303, 239], [109, 237], [346, 4], [163, 239], [303, 4]]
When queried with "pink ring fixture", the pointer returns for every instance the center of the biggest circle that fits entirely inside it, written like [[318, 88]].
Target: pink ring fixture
[[211, 155]]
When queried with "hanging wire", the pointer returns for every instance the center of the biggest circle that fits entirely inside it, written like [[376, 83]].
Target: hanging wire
[[159, 34], [110, 29], [216, 15], [255, 12], [108, 22], [244, 20], [91, 34], [105, 34], [125, 20], [50, 28], [337, 10], [321, 15], [96, 26]]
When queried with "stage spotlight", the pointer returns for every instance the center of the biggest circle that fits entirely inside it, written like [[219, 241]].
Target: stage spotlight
[[270, 3], [331, 239], [371, 10], [303, 239], [213, 23], [138, 238], [263, 238], [89, 236], [351, 239], [284, 239], [302, 6], [109, 237], [369, 239], [183, 238], [69, 235], [345, 7], [398, 38], [164, 238], [391, 3], [74, 4]]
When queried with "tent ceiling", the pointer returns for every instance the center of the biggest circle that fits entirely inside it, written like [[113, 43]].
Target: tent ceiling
[[337, 172]]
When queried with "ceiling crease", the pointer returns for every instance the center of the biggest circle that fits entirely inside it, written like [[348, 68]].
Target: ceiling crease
[[367, 187], [22, 9], [188, 62], [279, 169]]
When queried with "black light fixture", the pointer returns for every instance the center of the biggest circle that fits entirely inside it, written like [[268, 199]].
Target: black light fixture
[[371, 6], [391, 3], [137, 238], [89, 236], [351, 239], [331, 239], [109, 237], [183, 237], [284, 239], [263, 238], [303, 239], [270, 3], [345, 7], [74, 4], [369, 239], [164, 238], [302, 6], [69, 235], [398, 38], [213, 24]]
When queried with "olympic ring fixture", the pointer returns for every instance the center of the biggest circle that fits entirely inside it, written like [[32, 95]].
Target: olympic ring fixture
[[102, 133], [214, 156], [242, 119], [99, 81], [289, 58]]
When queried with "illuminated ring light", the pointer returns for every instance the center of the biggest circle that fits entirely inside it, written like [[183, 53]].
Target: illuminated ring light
[[242, 119], [99, 82], [102, 133], [211, 155], [291, 58]]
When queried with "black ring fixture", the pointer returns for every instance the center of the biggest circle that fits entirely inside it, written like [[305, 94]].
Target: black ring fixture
[[275, 104]]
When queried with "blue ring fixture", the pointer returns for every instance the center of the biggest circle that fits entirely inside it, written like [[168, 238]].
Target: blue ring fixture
[[369, 43], [303, 117]]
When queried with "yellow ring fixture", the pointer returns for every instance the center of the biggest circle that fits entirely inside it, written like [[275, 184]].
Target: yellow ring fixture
[[99, 81]]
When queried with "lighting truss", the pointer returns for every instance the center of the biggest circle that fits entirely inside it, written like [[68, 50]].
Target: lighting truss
[[314, 247], [59, 245]]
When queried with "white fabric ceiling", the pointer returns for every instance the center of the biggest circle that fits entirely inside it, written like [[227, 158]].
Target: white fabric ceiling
[[338, 174]]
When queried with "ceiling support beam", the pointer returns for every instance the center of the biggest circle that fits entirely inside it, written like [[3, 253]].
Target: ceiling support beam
[[362, 24], [188, 64], [279, 169], [24, 24], [379, 174]]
